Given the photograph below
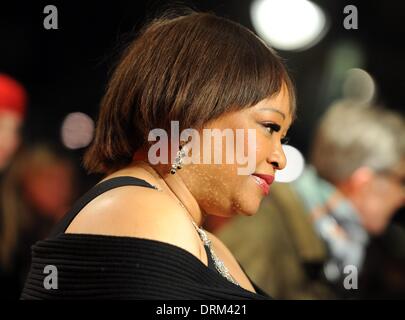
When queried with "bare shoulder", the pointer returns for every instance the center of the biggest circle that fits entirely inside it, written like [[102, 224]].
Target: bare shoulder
[[137, 212]]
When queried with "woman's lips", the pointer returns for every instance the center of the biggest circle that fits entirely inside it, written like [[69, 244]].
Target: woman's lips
[[266, 177], [264, 181]]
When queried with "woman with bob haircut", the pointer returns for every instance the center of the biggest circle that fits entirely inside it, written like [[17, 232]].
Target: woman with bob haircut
[[137, 234]]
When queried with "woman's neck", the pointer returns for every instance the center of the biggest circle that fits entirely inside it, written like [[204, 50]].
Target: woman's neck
[[172, 184]]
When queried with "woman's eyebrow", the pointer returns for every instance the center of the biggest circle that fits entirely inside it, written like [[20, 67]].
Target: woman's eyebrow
[[273, 110]]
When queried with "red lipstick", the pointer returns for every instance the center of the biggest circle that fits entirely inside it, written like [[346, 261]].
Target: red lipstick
[[266, 177], [264, 181]]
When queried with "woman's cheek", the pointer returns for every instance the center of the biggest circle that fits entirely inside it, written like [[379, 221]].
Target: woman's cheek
[[246, 152], [263, 146]]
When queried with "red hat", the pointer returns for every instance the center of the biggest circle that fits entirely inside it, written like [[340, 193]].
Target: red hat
[[13, 96]]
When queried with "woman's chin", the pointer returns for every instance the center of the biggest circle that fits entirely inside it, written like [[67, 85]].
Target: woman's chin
[[249, 200], [249, 209]]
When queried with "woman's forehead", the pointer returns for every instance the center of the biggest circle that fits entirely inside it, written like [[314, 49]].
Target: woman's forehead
[[279, 104]]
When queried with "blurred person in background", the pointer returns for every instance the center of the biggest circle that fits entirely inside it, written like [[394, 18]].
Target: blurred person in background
[[13, 102], [48, 180], [38, 189], [383, 274], [13, 99], [306, 232]]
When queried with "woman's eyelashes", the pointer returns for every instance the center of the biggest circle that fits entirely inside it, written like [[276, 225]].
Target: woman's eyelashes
[[273, 127]]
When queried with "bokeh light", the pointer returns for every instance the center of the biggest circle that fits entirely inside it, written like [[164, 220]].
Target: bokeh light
[[295, 165], [77, 130], [289, 24]]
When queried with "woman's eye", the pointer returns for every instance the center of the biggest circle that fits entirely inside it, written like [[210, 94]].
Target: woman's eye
[[271, 127]]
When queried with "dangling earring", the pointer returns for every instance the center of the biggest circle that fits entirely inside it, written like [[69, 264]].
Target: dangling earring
[[178, 162]]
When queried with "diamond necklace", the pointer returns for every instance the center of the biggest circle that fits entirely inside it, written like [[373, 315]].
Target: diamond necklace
[[218, 263]]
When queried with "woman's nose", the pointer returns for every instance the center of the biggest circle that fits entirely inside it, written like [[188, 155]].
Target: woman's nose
[[277, 158]]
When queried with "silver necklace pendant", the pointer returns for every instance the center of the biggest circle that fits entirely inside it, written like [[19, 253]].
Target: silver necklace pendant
[[219, 264]]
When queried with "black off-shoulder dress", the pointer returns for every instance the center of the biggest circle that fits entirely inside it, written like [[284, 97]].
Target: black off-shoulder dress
[[115, 267]]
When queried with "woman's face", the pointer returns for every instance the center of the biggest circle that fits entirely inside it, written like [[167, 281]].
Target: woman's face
[[220, 188], [10, 124]]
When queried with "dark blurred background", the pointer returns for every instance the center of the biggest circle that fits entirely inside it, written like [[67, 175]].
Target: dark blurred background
[[66, 70]]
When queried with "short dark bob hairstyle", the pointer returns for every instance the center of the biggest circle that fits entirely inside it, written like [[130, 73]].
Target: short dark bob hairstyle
[[191, 68]]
